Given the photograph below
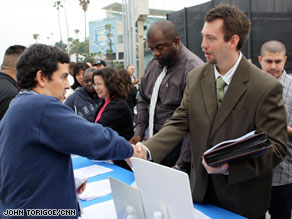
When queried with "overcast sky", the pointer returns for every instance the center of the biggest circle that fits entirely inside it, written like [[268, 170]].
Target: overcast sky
[[20, 19]]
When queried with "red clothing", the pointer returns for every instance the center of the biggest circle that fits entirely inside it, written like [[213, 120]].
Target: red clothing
[[101, 110]]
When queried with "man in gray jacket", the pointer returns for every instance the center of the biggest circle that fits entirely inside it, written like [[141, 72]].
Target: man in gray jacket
[[168, 53]]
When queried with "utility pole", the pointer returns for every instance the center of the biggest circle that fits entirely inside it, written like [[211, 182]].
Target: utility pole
[[134, 11]]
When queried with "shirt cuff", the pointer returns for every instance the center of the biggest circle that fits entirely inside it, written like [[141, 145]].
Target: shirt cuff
[[149, 156]]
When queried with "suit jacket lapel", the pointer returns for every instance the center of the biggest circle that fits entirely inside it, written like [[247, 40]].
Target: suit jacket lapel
[[234, 92], [209, 92]]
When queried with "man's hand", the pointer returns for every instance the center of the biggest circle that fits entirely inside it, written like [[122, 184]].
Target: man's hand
[[221, 169], [139, 152], [135, 139], [82, 187], [136, 82]]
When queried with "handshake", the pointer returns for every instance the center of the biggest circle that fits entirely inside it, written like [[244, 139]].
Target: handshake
[[140, 151]]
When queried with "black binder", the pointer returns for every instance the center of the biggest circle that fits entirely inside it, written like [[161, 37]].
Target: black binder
[[251, 146]]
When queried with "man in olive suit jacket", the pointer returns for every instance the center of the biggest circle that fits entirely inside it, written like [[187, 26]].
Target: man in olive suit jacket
[[252, 101]]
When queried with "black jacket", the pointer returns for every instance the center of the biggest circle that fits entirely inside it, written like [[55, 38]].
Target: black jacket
[[117, 115], [8, 91]]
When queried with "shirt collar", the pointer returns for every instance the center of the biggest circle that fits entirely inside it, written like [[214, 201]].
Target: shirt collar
[[228, 76], [282, 77]]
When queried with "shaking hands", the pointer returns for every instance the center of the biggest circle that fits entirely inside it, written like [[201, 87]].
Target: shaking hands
[[140, 151]]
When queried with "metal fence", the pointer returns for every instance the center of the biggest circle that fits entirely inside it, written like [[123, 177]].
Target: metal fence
[[271, 20]]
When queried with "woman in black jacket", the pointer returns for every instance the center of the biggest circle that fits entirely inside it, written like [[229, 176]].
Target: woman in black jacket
[[114, 112]]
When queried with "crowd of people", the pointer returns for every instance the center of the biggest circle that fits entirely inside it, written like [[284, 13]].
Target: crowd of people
[[51, 108]]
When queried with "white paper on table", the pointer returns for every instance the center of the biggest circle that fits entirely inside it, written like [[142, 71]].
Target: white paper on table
[[74, 156], [200, 215], [100, 210], [230, 141], [102, 161], [96, 190], [91, 171]]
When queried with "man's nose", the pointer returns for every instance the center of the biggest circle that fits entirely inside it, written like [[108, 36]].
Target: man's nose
[[203, 44], [67, 84], [156, 52], [274, 65]]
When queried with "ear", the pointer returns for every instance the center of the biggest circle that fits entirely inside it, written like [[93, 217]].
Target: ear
[[260, 59], [176, 41], [234, 41], [285, 59], [41, 79]]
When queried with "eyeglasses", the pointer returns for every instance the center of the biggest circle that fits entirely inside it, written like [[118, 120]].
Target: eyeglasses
[[96, 85]]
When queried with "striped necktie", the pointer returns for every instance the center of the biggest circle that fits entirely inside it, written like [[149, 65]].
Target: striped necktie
[[153, 100], [220, 84]]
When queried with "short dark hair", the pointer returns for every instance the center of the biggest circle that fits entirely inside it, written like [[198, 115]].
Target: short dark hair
[[100, 62], [166, 27], [38, 57], [11, 56], [15, 50], [273, 46], [89, 70], [235, 21], [77, 67], [112, 81]]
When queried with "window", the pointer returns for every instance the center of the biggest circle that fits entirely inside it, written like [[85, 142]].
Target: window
[[108, 57], [121, 55]]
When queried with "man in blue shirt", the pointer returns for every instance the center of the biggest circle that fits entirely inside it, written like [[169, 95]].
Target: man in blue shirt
[[38, 133]]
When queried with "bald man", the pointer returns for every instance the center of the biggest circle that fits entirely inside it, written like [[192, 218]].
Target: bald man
[[171, 55], [273, 58], [8, 89]]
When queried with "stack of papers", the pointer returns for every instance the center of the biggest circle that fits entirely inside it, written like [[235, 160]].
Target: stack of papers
[[90, 171], [249, 145], [96, 190]]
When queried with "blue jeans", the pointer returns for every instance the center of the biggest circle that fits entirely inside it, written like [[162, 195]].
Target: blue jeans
[[281, 202]]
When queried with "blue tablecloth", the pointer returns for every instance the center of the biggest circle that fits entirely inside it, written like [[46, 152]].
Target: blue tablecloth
[[128, 177]]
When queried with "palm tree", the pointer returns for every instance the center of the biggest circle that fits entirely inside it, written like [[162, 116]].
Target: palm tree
[[70, 41], [77, 32], [77, 43], [58, 5], [35, 37], [84, 4]]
